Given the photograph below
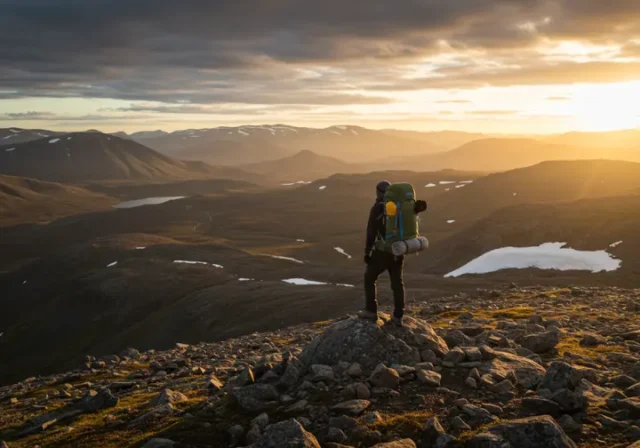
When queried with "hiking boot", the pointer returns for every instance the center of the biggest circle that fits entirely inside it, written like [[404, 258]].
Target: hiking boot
[[397, 321], [368, 315]]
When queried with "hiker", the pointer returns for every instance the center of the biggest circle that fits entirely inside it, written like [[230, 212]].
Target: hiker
[[379, 259]]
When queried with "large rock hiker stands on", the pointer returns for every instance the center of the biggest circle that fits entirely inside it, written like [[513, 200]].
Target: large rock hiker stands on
[[370, 344]]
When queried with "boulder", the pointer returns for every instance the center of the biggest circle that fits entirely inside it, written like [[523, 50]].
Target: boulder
[[385, 377], [429, 378], [525, 372], [287, 434], [455, 356], [540, 406], [534, 432], [456, 338], [540, 342], [94, 401], [167, 396], [432, 430], [246, 378], [561, 375], [352, 407], [322, 372], [570, 401], [256, 397], [633, 391], [370, 344], [623, 381]]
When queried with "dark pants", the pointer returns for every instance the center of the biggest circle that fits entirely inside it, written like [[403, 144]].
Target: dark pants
[[380, 262]]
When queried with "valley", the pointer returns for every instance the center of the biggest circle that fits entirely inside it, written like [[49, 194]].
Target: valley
[[127, 247]]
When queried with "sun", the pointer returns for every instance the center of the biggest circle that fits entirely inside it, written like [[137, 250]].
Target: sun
[[607, 108]]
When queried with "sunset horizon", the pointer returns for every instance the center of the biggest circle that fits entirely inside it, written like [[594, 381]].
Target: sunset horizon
[[541, 67]]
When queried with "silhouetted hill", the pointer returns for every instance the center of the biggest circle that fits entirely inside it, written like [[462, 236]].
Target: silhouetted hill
[[546, 182], [305, 165], [9, 136], [252, 144], [502, 154], [81, 157], [24, 200], [439, 140], [625, 139]]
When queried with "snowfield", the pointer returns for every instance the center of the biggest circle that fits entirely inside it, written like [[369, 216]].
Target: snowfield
[[302, 282], [341, 251], [545, 256], [147, 201], [278, 257]]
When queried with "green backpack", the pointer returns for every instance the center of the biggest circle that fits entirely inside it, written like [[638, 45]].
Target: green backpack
[[401, 220]]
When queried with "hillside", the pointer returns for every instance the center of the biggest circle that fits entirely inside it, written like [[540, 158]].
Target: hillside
[[17, 135], [502, 154], [626, 139], [24, 200], [440, 140], [305, 165], [81, 157], [606, 223], [545, 182], [125, 259], [250, 144], [537, 366]]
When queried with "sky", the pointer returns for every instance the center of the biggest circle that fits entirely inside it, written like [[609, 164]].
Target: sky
[[499, 66]]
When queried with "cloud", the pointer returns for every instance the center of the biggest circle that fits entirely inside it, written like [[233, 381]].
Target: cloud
[[493, 112], [297, 52], [31, 115], [536, 73], [454, 102]]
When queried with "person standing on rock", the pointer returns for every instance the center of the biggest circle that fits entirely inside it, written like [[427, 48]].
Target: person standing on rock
[[378, 261]]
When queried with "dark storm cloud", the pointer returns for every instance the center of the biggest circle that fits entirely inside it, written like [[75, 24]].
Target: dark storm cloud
[[241, 51]]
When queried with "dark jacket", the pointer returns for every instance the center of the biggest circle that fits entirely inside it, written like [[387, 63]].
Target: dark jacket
[[375, 226]]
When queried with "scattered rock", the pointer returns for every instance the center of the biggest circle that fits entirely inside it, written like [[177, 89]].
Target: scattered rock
[[541, 342], [352, 407], [534, 432], [257, 397], [355, 370], [167, 396], [431, 430], [214, 384], [633, 391], [569, 424], [245, 378], [322, 373], [336, 435], [429, 378], [261, 421], [459, 425], [455, 356], [385, 377], [525, 372], [541, 406], [289, 434], [94, 401]]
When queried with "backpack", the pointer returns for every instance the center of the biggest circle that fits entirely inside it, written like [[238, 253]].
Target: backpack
[[401, 220]]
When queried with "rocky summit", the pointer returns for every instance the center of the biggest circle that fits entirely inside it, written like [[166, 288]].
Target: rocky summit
[[514, 368]]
